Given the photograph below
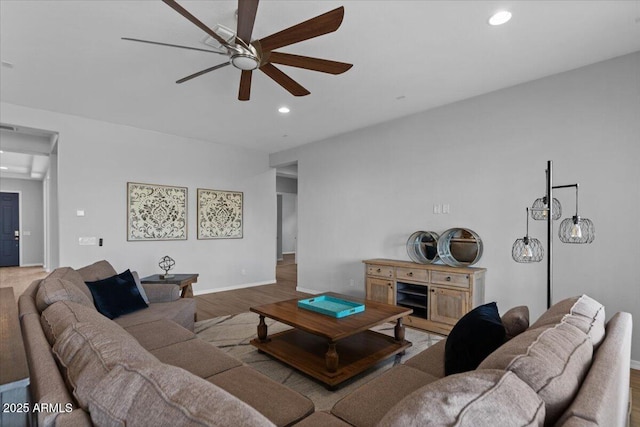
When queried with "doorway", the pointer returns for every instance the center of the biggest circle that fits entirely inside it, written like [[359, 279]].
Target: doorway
[[29, 168], [9, 229]]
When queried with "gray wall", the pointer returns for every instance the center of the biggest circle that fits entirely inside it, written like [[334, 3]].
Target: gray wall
[[362, 194], [96, 160], [31, 218], [286, 185]]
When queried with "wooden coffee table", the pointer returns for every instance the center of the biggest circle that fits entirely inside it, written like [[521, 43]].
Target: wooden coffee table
[[328, 349]]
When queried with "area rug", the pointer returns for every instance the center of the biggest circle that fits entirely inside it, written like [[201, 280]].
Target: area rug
[[233, 333]]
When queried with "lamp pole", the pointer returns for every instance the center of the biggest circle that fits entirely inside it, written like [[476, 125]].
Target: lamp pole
[[549, 232]]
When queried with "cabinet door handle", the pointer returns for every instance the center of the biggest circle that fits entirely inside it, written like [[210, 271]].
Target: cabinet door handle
[[448, 278], [390, 284], [410, 274], [378, 270]]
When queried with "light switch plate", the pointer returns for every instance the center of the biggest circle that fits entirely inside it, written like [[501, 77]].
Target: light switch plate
[[87, 241], [80, 212]]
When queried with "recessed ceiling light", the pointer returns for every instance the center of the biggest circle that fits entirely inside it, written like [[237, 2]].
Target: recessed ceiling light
[[500, 18], [4, 168], [284, 110]]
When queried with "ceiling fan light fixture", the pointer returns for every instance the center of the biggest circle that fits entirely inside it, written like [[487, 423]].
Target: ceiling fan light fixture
[[245, 61], [499, 18]]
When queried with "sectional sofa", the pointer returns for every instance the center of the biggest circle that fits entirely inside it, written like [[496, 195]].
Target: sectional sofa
[[569, 368]]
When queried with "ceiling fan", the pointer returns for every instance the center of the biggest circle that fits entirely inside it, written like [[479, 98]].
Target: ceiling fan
[[247, 55]]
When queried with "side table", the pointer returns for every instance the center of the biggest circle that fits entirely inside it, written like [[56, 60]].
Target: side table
[[14, 371], [183, 280]]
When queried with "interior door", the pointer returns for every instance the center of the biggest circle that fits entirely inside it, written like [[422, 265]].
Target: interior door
[[9, 230]]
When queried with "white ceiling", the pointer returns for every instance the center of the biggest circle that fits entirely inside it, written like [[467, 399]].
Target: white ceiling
[[408, 56]]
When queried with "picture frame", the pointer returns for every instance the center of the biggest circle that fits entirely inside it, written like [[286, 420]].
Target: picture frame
[[156, 212], [220, 214]]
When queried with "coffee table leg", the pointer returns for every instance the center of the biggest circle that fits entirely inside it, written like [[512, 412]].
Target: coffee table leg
[[262, 330], [331, 358], [399, 330]]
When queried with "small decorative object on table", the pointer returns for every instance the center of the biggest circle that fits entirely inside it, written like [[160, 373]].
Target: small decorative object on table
[[166, 263], [330, 306]]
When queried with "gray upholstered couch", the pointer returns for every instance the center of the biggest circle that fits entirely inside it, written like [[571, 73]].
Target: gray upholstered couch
[[146, 368], [567, 369]]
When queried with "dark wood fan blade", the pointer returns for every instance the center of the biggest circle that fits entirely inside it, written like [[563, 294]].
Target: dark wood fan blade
[[306, 62], [246, 17], [172, 45], [182, 11], [199, 73], [283, 80], [245, 85], [314, 27]]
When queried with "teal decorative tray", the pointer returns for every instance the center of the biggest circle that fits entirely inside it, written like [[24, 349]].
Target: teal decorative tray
[[330, 306]]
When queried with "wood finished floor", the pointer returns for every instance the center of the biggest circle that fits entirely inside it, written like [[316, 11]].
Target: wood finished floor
[[239, 301]]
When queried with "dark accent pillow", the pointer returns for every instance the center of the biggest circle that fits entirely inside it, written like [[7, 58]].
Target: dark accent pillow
[[476, 335], [116, 295]]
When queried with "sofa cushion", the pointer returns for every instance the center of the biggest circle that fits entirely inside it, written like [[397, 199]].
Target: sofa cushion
[[88, 351], [474, 337], [180, 311], [515, 321], [603, 398], [159, 333], [159, 394], [552, 361], [281, 405], [367, 405], [59, 316], [117, 295], [196, 356], [54, 289], [143, 293], [322, 419], [472, 399], [583, 312], [430, 360], [96, 271], [68, 273]]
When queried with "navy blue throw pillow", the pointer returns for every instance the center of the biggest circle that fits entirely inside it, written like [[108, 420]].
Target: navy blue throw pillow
[[116, 295], [476, 335]]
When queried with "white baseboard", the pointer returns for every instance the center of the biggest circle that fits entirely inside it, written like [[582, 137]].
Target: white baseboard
[[288, 253], [635, 365], [308, 291], [31, 265], [232, 287]]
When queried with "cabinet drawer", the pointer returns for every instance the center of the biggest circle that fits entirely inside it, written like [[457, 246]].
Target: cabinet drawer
[[380, 271], [412, 274], [450, 279]]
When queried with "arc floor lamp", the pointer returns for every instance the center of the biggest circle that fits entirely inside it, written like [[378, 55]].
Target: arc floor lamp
[[575, 229]]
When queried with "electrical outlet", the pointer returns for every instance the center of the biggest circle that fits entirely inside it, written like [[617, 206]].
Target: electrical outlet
[[446, 208], [352, 283], [437, 209]]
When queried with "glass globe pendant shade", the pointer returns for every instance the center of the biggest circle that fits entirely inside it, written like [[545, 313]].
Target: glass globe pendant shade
[[540, 209], [576, 230], [527, 250]]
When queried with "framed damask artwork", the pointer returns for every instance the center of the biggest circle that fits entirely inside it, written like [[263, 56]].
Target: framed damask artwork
[[219, 214], [156, 212]]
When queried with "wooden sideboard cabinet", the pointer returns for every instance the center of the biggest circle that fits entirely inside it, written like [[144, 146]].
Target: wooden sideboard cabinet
[[438, 294]]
